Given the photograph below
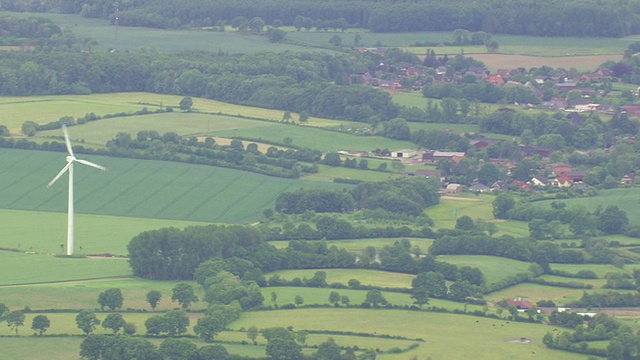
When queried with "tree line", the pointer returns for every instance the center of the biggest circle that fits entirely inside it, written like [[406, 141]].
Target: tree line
[[542, 18]]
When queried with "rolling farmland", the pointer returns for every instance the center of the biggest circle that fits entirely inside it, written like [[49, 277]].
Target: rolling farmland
[[141, 188]]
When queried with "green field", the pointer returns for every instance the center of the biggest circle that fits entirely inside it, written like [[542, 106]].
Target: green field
[[626, 199], [366, 277], [446, 335], [18, 268], [494, 268], [535, 292], [84, 294], [358, 245], [140, 188], [509, 44], [96, 234], [168, 41]]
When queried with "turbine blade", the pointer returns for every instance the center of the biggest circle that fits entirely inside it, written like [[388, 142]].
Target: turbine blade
[[89, 163], [64, 169], [66, 139]]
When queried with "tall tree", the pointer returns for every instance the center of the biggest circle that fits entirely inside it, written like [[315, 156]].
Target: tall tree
[[87, 321], [40, 324], [15, 319], [183, 293], [111, 298], [153, 298], [114, 322]]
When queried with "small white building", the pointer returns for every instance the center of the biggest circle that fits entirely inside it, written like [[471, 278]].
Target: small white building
[[404, 153]]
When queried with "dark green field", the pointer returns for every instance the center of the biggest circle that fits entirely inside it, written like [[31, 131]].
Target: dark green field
[[140, 188]]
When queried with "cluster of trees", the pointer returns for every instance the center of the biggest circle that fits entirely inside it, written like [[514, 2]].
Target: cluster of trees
[[542, 219], [432, 284], [600, 327], [29, 31], [543, 18], [170, 253], [405, 196], [477, 91], [289, 81], [120, 347]]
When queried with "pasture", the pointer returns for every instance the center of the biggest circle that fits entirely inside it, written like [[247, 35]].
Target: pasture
[[94, 234], [84, 294], [446, 335], [494, 268], [161, 40], [626, 199], [19, 268], [451, 208], [141, 188], [536, 292], [342, 276], [358, 245]]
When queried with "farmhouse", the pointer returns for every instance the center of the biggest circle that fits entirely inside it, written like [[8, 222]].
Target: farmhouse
[[562, 181], [517, 303], [480, 188], [453, 189]]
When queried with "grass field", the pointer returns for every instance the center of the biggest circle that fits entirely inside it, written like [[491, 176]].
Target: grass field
[[97, 234], [366, 277], [171, 41], [535, 292], [447, 336], [358, 245], [494, 268], [626, 199], [84, 294], [18, 268], [600, 269], [451, 208], [140, 188]]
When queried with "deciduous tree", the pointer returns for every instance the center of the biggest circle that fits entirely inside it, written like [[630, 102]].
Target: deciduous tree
[[87, 321], [40, 324], [183, 293]]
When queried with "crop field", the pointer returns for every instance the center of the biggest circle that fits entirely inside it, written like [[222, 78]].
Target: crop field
[[168, 41], [44, 109], [187, 124], [494, 268], [366, 277], [140, 188], [446, 335], [19, 268], [508, 59], [84, 294]]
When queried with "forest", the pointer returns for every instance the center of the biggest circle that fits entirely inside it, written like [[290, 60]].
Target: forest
[[520, 17]]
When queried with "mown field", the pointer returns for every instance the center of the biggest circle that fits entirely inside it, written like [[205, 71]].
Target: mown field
[[358, 245]]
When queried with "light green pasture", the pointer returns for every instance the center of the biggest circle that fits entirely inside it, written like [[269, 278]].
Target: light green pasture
[[19, 268], [446, 335], [162, 40], [600, 269], [366, 277], [626, 199], [96, 234], [494, 268], [84, 294], [596, 283], [358, 245], [450, 209]]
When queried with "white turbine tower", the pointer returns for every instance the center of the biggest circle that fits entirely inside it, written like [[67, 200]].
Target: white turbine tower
[[69, 167]]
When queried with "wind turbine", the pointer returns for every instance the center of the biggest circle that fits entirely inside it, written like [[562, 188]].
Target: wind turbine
[[69, 167]]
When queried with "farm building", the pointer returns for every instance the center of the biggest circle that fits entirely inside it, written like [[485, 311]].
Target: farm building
[[434, 156], [453, 189], [405, 154]]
